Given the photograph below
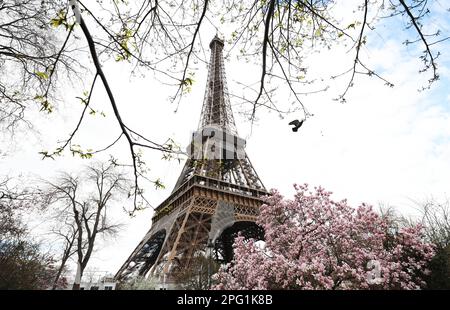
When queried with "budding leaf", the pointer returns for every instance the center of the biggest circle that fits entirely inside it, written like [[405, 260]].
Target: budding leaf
[[42, 75]]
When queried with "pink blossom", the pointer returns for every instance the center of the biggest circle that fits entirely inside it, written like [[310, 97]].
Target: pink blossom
[[314, 242]]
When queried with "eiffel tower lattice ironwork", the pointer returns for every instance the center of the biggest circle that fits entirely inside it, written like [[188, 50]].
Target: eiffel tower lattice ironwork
[[217, 194]]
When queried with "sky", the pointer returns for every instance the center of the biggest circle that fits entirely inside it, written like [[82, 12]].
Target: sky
[[384, 146]]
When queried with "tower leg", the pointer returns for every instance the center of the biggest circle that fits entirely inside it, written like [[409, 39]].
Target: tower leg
[[189, 234], [173, 252]]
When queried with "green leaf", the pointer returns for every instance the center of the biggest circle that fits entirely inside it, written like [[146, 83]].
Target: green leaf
[[42, 75], [159, 184], [76, 150], [60, 19], [124, 38], [45, 104], [55, 22]]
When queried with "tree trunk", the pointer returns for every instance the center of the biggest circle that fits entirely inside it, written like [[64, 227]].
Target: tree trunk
[[60, 269], [79, 274]]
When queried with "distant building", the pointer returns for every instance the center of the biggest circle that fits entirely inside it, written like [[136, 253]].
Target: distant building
[[103, 284]]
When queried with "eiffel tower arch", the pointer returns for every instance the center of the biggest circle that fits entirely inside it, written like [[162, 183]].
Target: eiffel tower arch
[[217, 195]]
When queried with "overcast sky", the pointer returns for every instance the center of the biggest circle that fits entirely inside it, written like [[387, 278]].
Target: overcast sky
[[385, 145]]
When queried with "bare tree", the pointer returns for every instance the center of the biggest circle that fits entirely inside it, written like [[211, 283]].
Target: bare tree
[[33, 58], [164, 37], [66, 233], [13, 200], [82, 205], [9, 205], [436, 219], [23, 264]]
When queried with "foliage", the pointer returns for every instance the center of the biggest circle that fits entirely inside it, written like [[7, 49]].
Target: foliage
[[314, 242], [436, 219], [198, 275], [23, 264], [439, 277]]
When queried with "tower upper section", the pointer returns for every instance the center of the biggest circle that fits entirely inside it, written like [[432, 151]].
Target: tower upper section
[[216, 103]]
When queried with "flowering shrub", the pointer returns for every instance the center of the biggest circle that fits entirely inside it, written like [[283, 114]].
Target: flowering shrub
[[313, 242]]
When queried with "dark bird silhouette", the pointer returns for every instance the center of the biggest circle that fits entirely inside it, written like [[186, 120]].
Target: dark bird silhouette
[[297, 124]]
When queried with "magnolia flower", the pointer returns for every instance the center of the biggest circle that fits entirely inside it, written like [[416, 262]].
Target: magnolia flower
[[314, 242]]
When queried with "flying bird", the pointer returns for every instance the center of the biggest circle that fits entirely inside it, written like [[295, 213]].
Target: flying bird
[[297, 124]]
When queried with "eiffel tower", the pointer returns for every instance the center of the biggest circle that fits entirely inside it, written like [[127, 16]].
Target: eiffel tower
[[217, 195]]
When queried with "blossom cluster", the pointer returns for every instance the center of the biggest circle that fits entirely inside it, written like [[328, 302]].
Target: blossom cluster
[[314, 242]]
